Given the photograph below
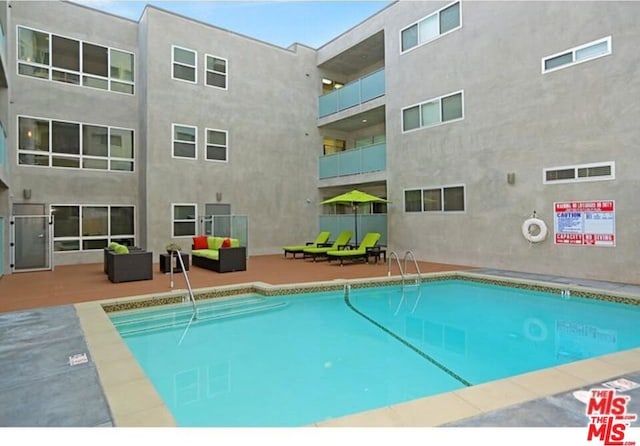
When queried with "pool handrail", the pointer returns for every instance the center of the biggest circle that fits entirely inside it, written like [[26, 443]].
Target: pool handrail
[[186, 279]]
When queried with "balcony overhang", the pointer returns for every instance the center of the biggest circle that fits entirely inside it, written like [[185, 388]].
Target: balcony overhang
[[358, 57], [355, 118]]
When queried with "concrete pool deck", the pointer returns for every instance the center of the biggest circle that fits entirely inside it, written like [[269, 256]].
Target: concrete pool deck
[[111, 389]]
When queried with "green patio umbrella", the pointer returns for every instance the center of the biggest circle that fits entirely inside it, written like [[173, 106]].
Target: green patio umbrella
[[354, 198]]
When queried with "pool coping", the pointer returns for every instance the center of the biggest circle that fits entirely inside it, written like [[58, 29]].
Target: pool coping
[[134, 402]]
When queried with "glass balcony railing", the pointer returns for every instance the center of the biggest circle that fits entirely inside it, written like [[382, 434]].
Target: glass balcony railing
[[354, 93], [3, 51], [366, 159]]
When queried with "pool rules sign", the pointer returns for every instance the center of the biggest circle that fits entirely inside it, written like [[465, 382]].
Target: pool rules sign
[[585, 223]]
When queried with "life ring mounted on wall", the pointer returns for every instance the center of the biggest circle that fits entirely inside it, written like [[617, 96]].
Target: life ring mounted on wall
[[530, 233]]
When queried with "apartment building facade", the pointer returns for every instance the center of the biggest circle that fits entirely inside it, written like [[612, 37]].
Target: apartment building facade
[[470, 117]]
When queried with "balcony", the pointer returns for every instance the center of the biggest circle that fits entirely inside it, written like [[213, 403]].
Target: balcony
[[354, 93], [366, 159], [3, 58]]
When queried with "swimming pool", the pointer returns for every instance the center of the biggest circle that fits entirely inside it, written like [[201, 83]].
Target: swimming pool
[[298, 359]]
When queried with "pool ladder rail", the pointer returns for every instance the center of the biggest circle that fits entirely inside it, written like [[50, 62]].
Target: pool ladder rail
[[190, 297], [403, 271], [403, 267]]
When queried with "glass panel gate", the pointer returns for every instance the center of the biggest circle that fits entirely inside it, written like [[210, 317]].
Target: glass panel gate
[[31, 247]]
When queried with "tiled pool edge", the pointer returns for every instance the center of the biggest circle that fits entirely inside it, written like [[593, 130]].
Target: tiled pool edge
[[133, 400], [264, 289]]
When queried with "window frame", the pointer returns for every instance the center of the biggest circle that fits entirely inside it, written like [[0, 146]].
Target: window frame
[[50, 153], [226, 73], [173, 141], [576, 178], [206, 145], [80, 73], [428, 16], [81, 238], [573, 52], [442, 188], [440, 122], [174, 221], [195, 66]]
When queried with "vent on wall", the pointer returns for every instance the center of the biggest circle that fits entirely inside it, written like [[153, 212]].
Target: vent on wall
[[580, 173]]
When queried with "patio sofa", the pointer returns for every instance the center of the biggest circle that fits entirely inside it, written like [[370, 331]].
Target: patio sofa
[[124, 265], [220, 254]]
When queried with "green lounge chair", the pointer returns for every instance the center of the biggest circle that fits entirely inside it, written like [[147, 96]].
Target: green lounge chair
[[361, 252], [320, 240], [321, 251]]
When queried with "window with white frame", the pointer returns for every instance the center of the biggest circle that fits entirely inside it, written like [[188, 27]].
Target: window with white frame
[[433, 112], [184, 141], [53, 57], [184, 64], [184, 219], [215, 71], [580, 173], [436, 199], [431, 27], [216, 147], [50, 143], [583, 53], [92, 227]]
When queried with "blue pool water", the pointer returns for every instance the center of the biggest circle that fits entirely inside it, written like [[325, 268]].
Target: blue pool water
[[295, 360]]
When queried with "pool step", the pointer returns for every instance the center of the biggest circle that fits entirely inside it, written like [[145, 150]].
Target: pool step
[[175, 317]]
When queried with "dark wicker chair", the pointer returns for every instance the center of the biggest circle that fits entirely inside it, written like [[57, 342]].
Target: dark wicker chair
[[136, 265]]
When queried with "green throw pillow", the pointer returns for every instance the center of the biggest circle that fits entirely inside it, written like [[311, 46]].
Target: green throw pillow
[[121, 249]]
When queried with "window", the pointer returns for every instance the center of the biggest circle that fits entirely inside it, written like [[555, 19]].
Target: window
[[433, 112], [431, 27], [216, 72], [184, 219], [184, 141], [580, 173], [333, 145], [439, 199], [121, 71], [216, 149], [370, 140], [579, 54], [184, 64], [91, 227], [49, 143], [53, 57]]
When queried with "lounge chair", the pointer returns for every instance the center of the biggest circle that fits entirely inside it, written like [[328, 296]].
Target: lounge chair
[[361, 252], [320, 240], [320, 251]]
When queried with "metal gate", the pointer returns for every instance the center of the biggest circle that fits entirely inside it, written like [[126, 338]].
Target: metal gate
[[31, 243]]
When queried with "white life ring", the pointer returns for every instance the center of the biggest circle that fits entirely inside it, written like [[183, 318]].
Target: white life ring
[[526, 230]]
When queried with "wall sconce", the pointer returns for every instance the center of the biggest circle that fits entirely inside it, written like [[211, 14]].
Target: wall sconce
[[218, 197], [26, 194], [511, 178]]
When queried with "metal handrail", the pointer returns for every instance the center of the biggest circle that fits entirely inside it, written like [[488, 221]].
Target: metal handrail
[[186, 278], [415, 262], [391, 256]]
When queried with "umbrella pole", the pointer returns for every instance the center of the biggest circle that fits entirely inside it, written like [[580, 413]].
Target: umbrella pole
[[355, 213]]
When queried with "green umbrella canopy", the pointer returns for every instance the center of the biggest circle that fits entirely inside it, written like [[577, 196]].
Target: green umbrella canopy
[[354, 198]]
